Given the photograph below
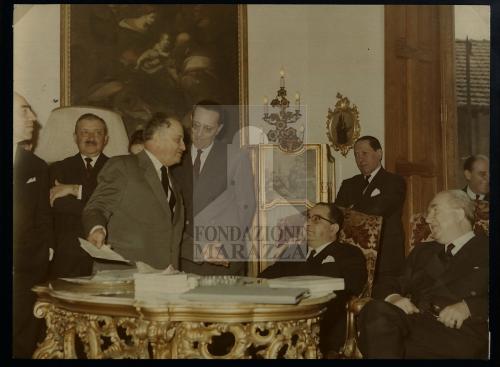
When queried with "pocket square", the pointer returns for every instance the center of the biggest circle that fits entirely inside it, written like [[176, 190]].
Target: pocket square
[[475, 267], [32, 179], [375, 192], [328, 259]]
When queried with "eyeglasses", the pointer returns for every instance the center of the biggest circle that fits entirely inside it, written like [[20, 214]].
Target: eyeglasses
[[316, 218]]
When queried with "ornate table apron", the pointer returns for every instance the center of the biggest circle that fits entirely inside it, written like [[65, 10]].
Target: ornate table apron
[[121, 327]]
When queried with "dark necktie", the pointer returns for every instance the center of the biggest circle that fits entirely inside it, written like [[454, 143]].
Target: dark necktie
[[446, 255], [197, 163], [366, 182], [477, 197], [449, 248], [88, 166], [165, 182], [311, 256]]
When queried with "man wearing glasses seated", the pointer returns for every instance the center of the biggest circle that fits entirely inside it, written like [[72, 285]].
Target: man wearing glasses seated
[[327, 257], [438, 308]]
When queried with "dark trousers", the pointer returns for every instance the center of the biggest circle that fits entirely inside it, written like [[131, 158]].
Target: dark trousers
[[387, 332], [27, 330]]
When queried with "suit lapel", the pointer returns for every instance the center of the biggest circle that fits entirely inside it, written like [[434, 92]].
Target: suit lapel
[[459, 262], [178, 197], [212, 163], [376, 182], [435, 267], [153, 180], [100, 162]]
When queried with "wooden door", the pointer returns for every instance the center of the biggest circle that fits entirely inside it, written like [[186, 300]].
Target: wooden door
[[420, 117]]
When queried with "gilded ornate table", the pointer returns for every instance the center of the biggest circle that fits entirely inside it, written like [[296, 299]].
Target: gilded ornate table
[[118, 326]]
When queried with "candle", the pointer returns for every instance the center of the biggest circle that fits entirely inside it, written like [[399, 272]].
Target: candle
[[282, 78], [266, 105]]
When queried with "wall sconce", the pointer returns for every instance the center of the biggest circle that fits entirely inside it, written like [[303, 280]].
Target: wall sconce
[[280, 119]]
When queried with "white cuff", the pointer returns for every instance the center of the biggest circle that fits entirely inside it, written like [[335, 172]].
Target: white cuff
[[391, 297], [79, 196]]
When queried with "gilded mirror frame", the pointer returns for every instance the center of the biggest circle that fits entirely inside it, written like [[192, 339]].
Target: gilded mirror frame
[[342, 125]]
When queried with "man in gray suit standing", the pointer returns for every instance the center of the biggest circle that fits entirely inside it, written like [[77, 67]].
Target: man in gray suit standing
[[137, 204], [218, 189]]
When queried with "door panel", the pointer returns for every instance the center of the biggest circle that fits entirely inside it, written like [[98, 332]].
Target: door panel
[[420, 101]]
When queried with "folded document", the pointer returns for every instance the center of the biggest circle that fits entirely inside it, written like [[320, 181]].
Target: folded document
[[104, 252]]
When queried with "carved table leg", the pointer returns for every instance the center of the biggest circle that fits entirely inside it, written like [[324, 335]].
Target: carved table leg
[[53, 344]]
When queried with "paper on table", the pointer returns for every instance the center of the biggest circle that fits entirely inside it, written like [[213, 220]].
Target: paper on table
[[104, 252]]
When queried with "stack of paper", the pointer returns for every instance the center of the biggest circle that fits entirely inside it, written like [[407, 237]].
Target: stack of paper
[[146, 283], [317, 285], [245, 294]]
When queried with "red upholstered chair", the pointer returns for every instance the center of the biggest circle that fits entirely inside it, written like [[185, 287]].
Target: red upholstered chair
[[361, 230]]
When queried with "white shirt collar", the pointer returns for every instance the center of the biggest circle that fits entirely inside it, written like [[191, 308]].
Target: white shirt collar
[[94, 159], [374, 173], [156, 163], [472, 194], [460, 242], [318, 249]]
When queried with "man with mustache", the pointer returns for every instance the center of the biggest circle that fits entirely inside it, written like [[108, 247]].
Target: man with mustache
[[137, 204], [74, 180], [32, 230]]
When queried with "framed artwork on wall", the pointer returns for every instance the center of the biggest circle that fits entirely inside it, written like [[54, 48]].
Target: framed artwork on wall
[[304, 176], [342, 125], [289, 184], [139, 59]]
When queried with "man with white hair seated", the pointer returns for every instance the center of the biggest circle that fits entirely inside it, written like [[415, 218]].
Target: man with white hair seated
[[438, 307]]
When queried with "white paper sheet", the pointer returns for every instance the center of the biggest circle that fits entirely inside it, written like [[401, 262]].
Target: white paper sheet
[[104, 252]]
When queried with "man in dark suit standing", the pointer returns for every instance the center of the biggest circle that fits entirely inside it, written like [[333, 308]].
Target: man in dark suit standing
[[32, 229], [217, 184], [328, 257], [137, 203], [438, 308], [477, 174], [74, 180], [378, 192]]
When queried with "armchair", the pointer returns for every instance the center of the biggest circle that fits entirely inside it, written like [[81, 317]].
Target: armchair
[[361, 230]]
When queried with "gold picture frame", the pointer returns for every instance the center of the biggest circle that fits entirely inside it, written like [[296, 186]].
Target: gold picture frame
[[289, 184], [342, 125], [104, 63]]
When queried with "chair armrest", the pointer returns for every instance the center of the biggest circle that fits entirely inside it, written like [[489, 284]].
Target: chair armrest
[[353, 307], [356, 304]]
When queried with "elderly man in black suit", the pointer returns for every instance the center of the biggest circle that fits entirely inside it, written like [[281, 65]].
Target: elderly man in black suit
[[477, 174], [217, 184], [438, 308], [32, 229], [74, 180], [328, 257], [378, 192]]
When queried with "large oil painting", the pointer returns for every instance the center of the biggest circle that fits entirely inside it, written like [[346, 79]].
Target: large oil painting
[[139, 59]]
